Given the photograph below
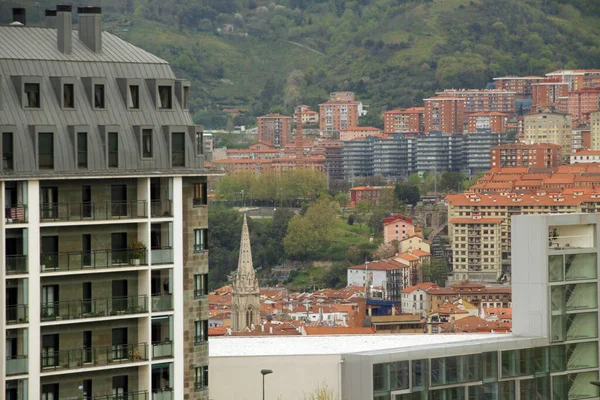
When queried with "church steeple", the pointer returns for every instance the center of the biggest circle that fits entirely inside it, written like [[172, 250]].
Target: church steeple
[[245, 311]]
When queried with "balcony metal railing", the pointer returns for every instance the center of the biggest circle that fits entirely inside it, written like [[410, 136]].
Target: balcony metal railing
[[16, 214], [143, 395], [93, 308], [94, 357], [16, 264], [161, 208], [162, 349], [17, 314], [16, 365], [162, 255], [162, 394], [93, 211], [162, 302], [78, 260]]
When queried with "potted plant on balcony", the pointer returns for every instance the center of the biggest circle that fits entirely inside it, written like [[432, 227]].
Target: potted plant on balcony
[[45, 261], [137, 251]]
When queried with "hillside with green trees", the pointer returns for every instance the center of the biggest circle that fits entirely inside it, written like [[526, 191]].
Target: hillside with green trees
[[390, 52]]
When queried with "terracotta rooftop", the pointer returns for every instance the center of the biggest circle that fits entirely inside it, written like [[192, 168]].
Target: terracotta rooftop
[[380, 265]]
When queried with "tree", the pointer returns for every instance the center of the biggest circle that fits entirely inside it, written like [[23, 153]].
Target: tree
[[361, 209], [452, 181], [322, 392], [351, 219], [229, 127], [435, 271], [407, 194], [343, 199], [385, 250], [309, 234]]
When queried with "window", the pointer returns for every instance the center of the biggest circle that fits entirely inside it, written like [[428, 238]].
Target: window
[[68, 95], [178, 149], [200, 332], [7, 151], [165, 97], [134, 97], [200, 194], [98, 96], [201, 378], [147, 143], [199, 143], [200, 240], [82, 150], [32, 95], [186, 97], [200, 285], [46, 150], [113, 150]]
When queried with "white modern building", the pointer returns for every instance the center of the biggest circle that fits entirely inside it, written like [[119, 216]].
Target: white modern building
[[104, 233], [551, 354]]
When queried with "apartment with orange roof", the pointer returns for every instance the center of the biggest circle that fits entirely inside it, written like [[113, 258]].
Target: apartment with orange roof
[[339, 112], [391, 275], [536, 155], [483, 100], [549, 92], [397, 227], [576, 79], [307, 115], [404, 120], [491, 121], [520, 85], [275, 129], [444, 113], [356, 132], [581, 103], [414, 242], [585, 156], [415, 299]]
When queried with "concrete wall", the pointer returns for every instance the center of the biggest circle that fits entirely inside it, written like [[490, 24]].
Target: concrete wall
[[293, 376]]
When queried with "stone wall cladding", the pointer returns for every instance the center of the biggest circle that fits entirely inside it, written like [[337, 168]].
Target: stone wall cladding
[[194, 308]]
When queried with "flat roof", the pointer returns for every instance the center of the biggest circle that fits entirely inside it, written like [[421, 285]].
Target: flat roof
[[241, 346]]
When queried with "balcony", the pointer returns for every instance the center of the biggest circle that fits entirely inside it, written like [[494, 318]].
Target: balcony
[[95, 357], [17, 314], [162, 302], [16, 214], [94, 308], [143, 395], [93, 211], [16, 365], [95, 259], [16, 264], [162, 349], [161, 208], [162, 394], [162, 255]]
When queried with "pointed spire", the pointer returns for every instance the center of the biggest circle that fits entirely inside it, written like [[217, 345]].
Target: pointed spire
[[245, 278]]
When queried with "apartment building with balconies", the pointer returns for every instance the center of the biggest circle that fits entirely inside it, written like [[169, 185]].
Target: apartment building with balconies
[[105, 219]]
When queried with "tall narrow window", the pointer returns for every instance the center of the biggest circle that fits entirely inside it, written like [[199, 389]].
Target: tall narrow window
[[200, 240], [82, 150], [200, 331], [200, 195], [178, 149], [7, 151], [201, 377], [32, 95], [98, 96], [199, 144], [165, 97], [46, 150], [147, 143], [200, 285], [186, 97], [134, 96], [113, 150], [68, 95]]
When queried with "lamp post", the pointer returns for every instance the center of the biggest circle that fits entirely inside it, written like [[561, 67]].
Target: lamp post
[[265, 372]]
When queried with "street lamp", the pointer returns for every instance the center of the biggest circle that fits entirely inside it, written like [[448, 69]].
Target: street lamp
[[265, 372]]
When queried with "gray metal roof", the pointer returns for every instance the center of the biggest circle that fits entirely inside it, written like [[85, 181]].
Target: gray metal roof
[[34, 43], [32, 53]]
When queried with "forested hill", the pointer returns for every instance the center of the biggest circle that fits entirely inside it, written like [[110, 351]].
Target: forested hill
[[390, 52]]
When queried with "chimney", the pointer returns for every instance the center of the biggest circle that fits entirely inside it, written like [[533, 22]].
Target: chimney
[[50, 19], [90, 29], [64, 28], [19, 15]]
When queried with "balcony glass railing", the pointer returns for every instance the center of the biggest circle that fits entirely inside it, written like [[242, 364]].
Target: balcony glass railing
[[125, 396], [162, 349], [16, 264], [16, 365], [162, 302], [17, 314], [93, 308], [162, 255], [94, 357], [93, 211], [161, 208], [162, 394], [78, 260], [16, 214]]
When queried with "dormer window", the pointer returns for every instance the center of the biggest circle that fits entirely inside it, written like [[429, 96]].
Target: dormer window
[[134, 97], [99, 96], [32, 95], [186, 97], [68, 95], [147, 143], [46, 150], [165, 97]]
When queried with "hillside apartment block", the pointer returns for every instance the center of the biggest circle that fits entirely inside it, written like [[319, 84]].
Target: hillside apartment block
[[105, 220], [275, 130], [404, 120], [339, 112]]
